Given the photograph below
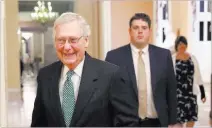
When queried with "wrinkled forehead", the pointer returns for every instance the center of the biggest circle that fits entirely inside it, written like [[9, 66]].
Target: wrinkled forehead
[[68, 29]]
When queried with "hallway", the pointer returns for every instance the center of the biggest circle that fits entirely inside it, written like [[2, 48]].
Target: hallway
[[19, 112]]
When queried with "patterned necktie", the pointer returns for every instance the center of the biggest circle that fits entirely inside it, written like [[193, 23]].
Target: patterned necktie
[[68, 102], [142, 87]]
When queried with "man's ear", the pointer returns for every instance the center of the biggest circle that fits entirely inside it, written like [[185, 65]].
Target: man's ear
[[129, 30], [150, 29], [86, 42]]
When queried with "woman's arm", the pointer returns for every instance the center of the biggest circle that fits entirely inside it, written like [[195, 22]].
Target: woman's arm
[[198, 78]]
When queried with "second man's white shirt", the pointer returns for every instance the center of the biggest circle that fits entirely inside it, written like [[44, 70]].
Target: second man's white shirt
[[151, 111]]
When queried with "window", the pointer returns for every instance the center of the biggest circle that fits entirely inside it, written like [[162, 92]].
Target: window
[[209, 31], [162, 22], [164, 36], [203, 20], [201, 32], [202, 6], [209, 6], [165, 11]]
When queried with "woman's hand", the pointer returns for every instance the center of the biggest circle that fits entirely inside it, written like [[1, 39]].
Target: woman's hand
[[202, 90], [203, 100]]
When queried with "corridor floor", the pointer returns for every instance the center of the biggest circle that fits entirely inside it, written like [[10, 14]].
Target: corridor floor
[[20, 111]]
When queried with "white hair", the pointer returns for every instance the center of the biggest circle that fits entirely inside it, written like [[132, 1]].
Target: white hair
[[70, 17]]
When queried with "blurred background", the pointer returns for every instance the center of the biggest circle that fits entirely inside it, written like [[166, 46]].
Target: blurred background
[[27, 43]]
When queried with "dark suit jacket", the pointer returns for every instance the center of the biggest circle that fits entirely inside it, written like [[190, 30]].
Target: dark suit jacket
[[21, 67], [162, 79], [104, 98]]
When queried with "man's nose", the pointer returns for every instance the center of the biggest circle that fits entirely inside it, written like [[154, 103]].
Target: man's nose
[[67, 45], [140, 30]]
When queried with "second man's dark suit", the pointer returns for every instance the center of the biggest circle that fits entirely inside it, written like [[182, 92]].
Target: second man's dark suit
[[162, 79], [104, 98]]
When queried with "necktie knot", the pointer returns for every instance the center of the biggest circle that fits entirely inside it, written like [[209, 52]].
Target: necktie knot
[[69, 74], [140, 52]]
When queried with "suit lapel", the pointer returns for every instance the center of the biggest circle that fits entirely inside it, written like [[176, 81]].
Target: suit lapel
[[153, 66], [130, 67], [86, 90], [54, 97]]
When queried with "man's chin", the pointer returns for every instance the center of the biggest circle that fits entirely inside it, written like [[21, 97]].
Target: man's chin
[[69, 61], [141, 42]]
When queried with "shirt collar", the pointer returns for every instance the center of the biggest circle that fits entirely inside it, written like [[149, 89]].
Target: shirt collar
[[136, 50], [77, 70]]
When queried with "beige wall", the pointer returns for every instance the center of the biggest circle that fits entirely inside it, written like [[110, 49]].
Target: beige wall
[[120, 18], [12, 44], [89, 9], [122, 11], [179, 17]]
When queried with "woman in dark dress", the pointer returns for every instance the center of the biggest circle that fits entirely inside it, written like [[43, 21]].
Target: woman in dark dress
[[188, 79]]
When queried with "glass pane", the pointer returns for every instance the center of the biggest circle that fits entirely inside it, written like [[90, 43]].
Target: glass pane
[[209, 31], [201, 32], [209, 6], [165, 11], [201, 6], [164, 36]]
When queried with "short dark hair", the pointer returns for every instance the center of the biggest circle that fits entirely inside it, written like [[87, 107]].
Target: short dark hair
[[180, 39], [141, 16]]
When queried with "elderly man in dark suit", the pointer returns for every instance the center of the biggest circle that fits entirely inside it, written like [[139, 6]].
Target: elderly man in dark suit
[[79, 90], [151, 72]]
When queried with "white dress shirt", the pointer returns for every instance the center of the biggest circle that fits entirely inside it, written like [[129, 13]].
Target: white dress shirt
[[76, 78], [151, 111]]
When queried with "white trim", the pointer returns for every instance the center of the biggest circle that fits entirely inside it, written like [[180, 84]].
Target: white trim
[[3, 94], [170, 12], [190, 25], [14, 90], [154, 21], [42, 47], [106, 26], [211, 37]]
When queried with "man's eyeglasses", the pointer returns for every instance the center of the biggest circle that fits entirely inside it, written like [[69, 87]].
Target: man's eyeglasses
[[72, 40]]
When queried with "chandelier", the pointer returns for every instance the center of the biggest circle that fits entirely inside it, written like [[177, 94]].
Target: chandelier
[[42, 13]]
